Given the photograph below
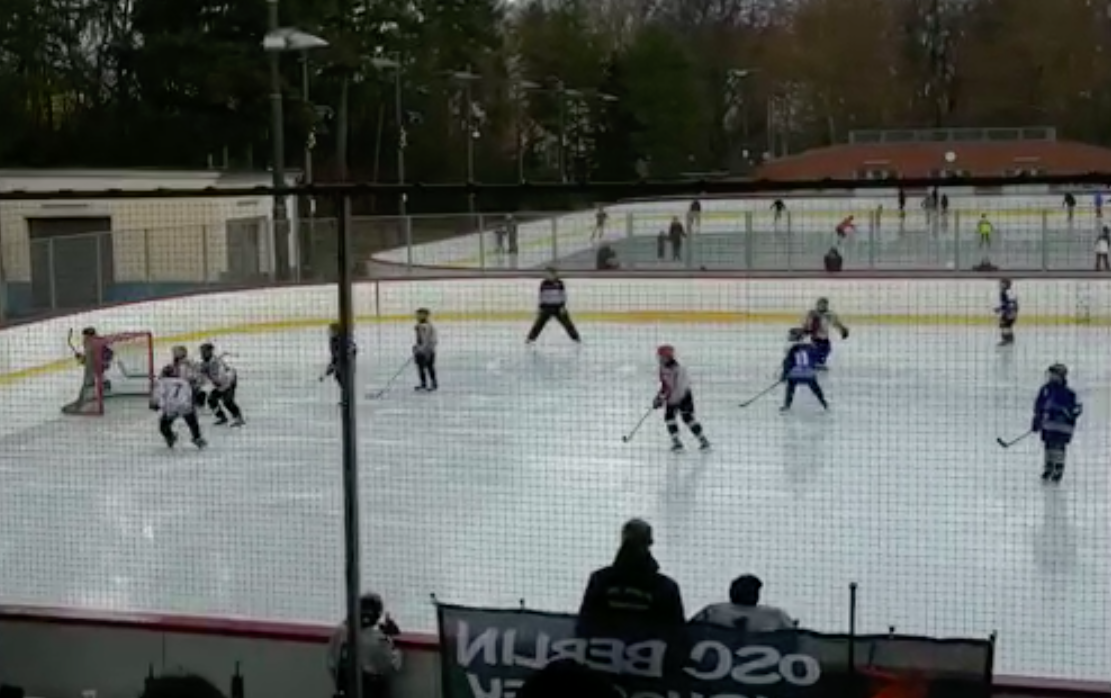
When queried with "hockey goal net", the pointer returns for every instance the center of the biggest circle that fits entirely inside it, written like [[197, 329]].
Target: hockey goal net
[[116, 365]]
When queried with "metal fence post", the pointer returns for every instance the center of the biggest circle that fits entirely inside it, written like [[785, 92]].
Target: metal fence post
[[790, 245], [1045, 240], [53, 281], [205, 276], [555, 240], [873, 223], [749, 241], [98, 240], [407, 230], [481, 242], [957, 240]]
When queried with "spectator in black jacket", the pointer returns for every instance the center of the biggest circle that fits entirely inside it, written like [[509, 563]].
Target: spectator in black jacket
[[631, 593]]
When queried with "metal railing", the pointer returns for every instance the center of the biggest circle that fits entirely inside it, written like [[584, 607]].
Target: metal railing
[[73, 272]]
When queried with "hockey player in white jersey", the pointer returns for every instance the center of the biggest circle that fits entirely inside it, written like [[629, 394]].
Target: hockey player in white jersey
[[424, 351], [173, 397], [677, 399], [190, 371], [817, 326], [224, 380]]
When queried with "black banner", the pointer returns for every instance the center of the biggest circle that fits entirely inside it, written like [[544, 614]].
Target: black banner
[[490, 653]]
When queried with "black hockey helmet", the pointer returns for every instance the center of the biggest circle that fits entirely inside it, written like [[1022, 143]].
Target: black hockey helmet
[[822, 304], [1057, 371], [89, 332], [423, 312], [1005, 283], [179, 353], [168, 371], [207, 350], [334, 329]]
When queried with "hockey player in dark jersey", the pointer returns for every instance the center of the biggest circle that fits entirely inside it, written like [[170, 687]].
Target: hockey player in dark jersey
[[335, 347], [817, 325], [798, 369], [1007, 310], [1056, 411], [677, 399], [424, 351], [553, 305], [224, 380]]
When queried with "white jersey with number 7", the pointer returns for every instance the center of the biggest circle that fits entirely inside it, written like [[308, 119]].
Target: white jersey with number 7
[[174, 396]]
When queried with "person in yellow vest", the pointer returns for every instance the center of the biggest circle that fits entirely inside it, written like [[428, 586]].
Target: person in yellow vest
[[985, 229]]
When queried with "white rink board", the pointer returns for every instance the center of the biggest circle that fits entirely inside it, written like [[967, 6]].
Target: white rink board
[[37, 354], [27, 347]]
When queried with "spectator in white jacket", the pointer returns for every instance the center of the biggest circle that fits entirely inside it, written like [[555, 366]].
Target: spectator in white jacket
[[1103, 249], [379, 658], [744, 610]]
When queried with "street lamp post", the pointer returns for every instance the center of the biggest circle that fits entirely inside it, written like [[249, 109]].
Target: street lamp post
[[735, 82], [467, 78], [520, 88], [276, 42], [394, 64]]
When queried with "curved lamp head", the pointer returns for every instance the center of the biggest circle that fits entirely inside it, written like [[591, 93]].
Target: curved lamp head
[[291, 39]]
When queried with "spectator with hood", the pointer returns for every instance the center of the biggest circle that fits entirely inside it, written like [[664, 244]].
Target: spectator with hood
[[631, 593]]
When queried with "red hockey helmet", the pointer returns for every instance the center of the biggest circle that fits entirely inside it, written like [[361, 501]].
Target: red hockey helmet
[[665, 351]]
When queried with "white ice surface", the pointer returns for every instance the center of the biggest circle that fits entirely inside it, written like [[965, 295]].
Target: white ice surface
[[511, 483]]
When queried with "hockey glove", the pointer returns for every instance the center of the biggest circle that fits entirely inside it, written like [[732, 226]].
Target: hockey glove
[[658, 402], [1036, 425], [844, 333], [154, 407]]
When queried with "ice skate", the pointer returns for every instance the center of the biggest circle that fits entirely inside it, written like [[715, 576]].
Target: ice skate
[[704, 444], [677, 446], [238, 422], [200, 443], [171, 440], [221, 419]]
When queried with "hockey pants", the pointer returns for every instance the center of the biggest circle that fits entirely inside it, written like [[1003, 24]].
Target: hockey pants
[[221, 399], [685, 411], [166, 426], [822, 349], [546, 314], [793, 383], [426, 369]]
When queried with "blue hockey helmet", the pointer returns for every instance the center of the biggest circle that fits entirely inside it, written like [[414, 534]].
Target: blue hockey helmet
[[1058, 372]]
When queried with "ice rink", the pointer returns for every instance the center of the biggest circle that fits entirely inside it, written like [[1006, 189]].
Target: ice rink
[[510, 484]]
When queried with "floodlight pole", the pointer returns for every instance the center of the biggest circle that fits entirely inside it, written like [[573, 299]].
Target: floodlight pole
[[277, 143]]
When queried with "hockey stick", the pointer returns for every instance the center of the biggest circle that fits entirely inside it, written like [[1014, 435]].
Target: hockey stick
[[69, 341], [761, 394], [629, 437], [389, 384], [1012, 442]]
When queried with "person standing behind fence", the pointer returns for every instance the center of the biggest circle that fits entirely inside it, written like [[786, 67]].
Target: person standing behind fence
[[694, 217], [553, 305], [985, 229], [1103, 248], [675, 234], [379, 659], [1069, 205], [1098, 200]]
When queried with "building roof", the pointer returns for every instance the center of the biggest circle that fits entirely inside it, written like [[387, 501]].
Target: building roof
[[919, 160]]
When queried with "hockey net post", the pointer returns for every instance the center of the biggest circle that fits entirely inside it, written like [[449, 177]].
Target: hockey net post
[[115, 365]]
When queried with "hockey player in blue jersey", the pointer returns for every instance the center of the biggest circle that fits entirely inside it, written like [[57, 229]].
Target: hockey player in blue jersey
[[817, 325], [799, 369], [1007, 310], [1056, 411]]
